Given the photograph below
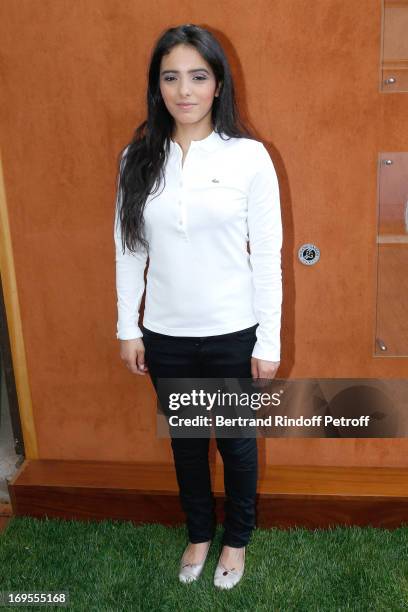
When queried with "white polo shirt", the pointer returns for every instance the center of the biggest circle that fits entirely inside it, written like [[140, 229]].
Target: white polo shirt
[[201, 280]]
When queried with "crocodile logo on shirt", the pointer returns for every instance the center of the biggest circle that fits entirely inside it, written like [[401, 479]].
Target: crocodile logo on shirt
[[215, 180]]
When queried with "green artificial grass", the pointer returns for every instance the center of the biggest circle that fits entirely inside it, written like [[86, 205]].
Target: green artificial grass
[[113, 565]]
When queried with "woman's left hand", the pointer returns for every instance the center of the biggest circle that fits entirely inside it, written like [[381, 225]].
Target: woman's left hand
[[260, 368]]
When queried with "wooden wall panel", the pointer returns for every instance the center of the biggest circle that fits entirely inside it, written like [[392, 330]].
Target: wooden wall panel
[[73, 80]]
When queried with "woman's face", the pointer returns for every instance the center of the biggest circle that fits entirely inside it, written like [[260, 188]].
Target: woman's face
[[186, 77]]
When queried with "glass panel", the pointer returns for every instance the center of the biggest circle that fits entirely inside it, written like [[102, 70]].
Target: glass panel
[[391, 337], [394, 60]]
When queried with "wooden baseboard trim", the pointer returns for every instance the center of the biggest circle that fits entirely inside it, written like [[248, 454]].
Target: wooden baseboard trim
[[288, 496]]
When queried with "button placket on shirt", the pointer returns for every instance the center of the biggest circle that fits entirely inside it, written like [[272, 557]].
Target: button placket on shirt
[[181, 205]]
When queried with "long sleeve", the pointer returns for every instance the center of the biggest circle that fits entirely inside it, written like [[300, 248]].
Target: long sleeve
[[129, 282], [265, 240]]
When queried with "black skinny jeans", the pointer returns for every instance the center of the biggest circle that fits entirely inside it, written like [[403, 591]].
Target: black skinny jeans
[[222, 356]]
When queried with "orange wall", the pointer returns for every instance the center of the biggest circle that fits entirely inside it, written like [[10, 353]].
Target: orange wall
[[73, 78]]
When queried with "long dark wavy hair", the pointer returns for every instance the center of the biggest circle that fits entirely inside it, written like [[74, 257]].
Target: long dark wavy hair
[[140, 163]]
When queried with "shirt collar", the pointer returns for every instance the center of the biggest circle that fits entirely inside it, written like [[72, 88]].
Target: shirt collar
[[209, 143]]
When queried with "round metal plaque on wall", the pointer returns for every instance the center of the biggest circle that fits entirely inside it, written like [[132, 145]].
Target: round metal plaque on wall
[[308, 254]]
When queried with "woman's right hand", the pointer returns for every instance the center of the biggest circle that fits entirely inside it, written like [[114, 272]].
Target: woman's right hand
[[133, 354]]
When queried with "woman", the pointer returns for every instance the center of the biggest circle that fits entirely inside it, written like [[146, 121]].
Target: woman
[[193, 187]]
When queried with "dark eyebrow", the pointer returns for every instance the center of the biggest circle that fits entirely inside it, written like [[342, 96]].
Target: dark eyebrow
[[193, 70]]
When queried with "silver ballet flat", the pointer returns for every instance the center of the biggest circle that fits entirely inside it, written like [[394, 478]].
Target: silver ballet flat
[[191, 571], [227, 578]]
